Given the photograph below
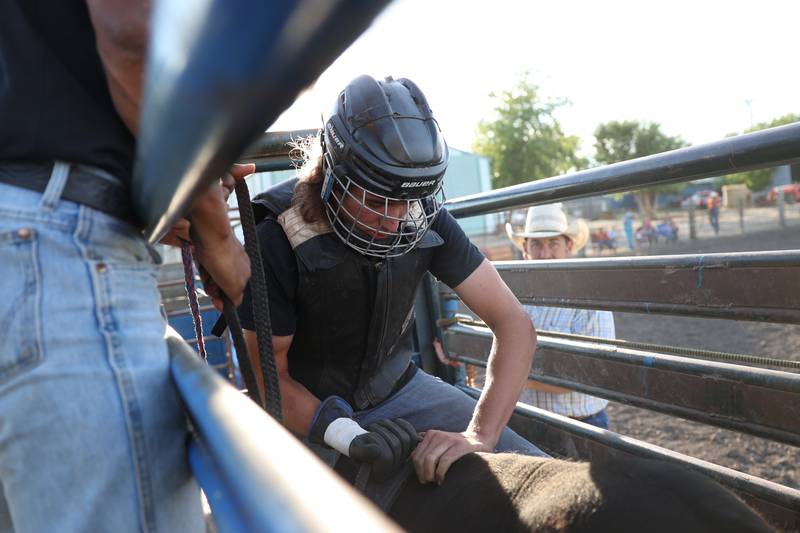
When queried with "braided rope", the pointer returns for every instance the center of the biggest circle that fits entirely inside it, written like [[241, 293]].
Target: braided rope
[[229, 311], [191, 294], [242, 353], [260, 300]]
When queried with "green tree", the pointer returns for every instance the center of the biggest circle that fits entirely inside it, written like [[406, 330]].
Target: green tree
[[760, 179], [617, 141], [525, 141]]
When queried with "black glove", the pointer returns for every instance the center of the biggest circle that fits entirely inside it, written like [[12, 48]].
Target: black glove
[[386, 447]]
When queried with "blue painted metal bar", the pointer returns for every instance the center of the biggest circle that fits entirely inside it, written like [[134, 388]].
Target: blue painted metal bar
[[226, 514], [219, 73], [766, 148], [258, 476]]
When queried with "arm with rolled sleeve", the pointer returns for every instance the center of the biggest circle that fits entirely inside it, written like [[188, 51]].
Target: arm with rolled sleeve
[[477, 283], [506, 373]]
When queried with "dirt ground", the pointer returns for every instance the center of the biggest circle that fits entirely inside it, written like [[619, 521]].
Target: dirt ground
[[772, 461]]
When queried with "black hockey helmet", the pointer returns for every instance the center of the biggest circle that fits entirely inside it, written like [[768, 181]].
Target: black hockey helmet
[[381, 136]]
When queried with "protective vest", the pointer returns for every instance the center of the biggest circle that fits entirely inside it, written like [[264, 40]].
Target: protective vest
[[353, 335]]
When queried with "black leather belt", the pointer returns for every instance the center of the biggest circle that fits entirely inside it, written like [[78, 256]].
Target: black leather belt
[[84, 186]]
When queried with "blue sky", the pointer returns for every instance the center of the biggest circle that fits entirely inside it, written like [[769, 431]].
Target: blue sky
[[700, 68]]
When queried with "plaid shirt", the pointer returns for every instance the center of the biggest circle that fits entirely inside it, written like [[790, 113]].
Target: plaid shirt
[[578, 322]]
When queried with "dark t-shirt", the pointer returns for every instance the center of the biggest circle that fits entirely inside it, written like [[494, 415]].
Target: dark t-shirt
[[54, 99], [452, 263]]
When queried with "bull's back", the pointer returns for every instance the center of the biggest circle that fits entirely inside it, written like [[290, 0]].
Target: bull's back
[[509, 492]]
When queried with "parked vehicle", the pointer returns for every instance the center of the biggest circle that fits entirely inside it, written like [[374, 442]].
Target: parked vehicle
[[791, 193], [761, 198], [698, 199]]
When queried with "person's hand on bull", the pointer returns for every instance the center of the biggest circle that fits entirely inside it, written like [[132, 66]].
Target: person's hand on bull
[[385, 445], [224, 265], [440, 449]]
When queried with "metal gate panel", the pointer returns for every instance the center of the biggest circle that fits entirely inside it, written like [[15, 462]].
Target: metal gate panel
[[758, 286], [751, 400]]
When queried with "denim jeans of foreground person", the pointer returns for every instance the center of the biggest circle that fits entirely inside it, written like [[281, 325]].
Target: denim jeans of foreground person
[[426, 402], [92, 432]]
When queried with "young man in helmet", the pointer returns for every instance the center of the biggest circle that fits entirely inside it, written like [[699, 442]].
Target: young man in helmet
[[345, 246]]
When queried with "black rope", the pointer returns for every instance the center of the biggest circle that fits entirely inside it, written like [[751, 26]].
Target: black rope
[[260, 300], [191, 295], [242, 353]]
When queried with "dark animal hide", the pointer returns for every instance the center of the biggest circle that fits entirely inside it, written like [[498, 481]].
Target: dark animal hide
[[509, 492]]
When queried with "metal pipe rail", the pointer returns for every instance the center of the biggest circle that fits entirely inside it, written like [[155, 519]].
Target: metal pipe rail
[[756, 286], [255, 474], [565, 437], [751, 400], [761, 149], [680, 351], [206, 95], [271, 151]]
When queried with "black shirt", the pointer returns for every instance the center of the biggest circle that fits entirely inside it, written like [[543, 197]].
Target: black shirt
[[452, 263], [54, 99]]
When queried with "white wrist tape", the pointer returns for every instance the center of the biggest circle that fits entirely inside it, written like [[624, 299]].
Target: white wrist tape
[[340, 434]]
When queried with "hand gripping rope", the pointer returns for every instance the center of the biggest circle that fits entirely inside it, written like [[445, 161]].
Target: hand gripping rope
[[260, 298]]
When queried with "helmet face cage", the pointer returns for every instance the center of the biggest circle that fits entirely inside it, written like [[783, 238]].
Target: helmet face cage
[[401, 223]]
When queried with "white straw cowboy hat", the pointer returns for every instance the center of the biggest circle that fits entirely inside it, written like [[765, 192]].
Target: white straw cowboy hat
[[544, 221]]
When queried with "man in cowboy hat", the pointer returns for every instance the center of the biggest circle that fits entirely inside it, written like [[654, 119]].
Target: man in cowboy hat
[[548, 235]]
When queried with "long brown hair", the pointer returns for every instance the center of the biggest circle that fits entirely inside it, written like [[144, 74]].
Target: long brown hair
[[308, 190]]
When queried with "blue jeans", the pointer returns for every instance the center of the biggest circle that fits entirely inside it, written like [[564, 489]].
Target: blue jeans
[[427, 402], [92, 432], [713, 218], [599, 420]]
